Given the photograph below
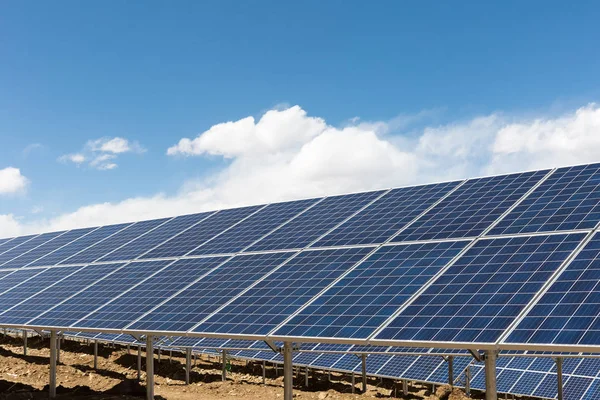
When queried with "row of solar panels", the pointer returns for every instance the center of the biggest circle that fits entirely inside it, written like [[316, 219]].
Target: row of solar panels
[[564, 199]]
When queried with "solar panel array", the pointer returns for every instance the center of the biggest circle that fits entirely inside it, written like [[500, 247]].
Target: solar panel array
[[506, 260]]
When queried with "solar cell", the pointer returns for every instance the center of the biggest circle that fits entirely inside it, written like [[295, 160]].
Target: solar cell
[[78, 245], [198, 301], [482, 293], [253, 228], [569, 199], [99, 249], [148, 294], [46, 248], [472, 208], [85, 302], [200, 233], [315, 222], [386, 216], [372, 292], [26, 246], [145, 243], [22, 312], [271, 301]]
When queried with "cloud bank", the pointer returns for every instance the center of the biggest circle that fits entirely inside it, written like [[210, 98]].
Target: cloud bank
[[12, 182], [288, 154]]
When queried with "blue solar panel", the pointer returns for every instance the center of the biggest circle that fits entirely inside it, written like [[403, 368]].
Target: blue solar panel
[[385, 217], [26, 246], [78, 245], [305, 358], [46, 299], [472, 208], [148, 294], [568, 313], [100, 293], [365, 298], [46, 248], [507, 378], [575, 386], [117, 240], [8, 279], [390, 366], [14, 243], [315, 222], [272, 300], [569, 199], [3, 243], [156, 237], [481, 294], [252, 229], [200, 233], [198, 301]]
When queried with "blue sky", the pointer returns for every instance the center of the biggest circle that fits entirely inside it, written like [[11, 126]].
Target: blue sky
[[389, 80]]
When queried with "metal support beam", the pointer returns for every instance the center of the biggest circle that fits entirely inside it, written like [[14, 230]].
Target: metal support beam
[[158, 354], [95, 354], [559, 377], [306, 377], [224, 366], [450, 371], [264, 367], [149, 368], [24, 342], [490, 375], [353, 383], [128, 349], [468, 381], [58, 339], [188, 364], [53, 344], [405, 387], [139, 364], [364, 372], [288, 372], [170, 356]]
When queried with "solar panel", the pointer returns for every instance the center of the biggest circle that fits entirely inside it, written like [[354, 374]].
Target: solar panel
[[569, 199], [472, 208], [78, 245], [3, 241], [252, 229], [115, 241], [45, 299], [46, 248], [568, 313], [10, 278], [372, 292], [187, 241], [14, 243], [198, 301], [82, 304], [269, 302], [386, 216], [315, 222], [145, 243], [148, 294], [478, 297], [26, 246]]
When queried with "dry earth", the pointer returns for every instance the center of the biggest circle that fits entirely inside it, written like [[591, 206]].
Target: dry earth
[[26, 377]]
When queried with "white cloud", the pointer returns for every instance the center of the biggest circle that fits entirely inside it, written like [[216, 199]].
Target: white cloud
[[101, 153], [31, 148], [287, 154], [12, 181]]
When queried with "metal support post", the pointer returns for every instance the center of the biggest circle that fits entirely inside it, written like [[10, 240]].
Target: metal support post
[[128, 349], [451, 371], [24, 342], [264, 367], [405, 387], [224, 370], [149, 368], [288, 376], [170, 356], [188, 364], [139, 364], [58, 350], [158, 355], [53, 344], [364, 372], [468, 381], [490, 375], [306, 376], [559, 377], [195, 359], [95, 354], [353, 383]]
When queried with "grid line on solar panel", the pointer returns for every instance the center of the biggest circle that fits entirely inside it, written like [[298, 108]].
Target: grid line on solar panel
[[568, 312], [27, 246], [46, 298], [96, 296], [146, 243], [361, 301], [472, 208], [569, 199], [270, 301], [15, 243], [186, 308], [143, 297], [79, 245], [387, 215], [192, 238], [98, 250], [46, 248], [483, 292], [255, 227], [316, 222]]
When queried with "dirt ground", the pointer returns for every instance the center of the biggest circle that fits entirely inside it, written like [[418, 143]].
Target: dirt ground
[[26, 377]]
